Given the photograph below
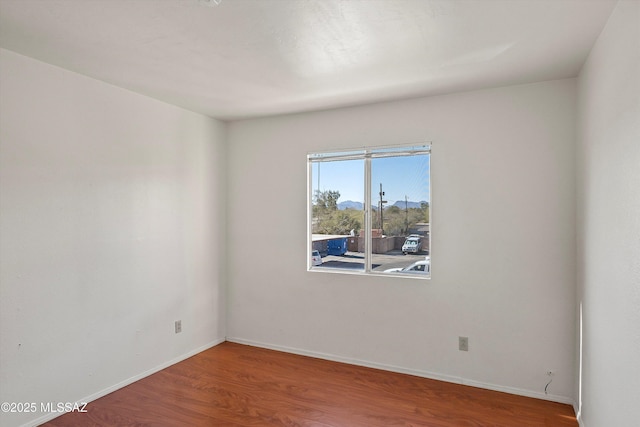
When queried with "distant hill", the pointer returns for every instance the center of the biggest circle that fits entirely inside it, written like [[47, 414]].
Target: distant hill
[[401, 204], [350, 204]]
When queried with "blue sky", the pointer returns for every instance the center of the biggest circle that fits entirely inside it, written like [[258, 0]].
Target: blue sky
[[399, 176]]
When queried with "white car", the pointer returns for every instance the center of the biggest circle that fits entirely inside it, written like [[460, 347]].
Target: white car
[[316, 259], [418, 267], [412, 244]]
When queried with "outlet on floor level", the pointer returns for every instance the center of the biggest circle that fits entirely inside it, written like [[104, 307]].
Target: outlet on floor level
[[178, 326], [463, 343]]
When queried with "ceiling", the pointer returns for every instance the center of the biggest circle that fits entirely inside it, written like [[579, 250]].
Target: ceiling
[[234, 59]]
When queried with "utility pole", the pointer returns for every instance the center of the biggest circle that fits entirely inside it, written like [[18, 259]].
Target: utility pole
[[382, 202], [406, 215]]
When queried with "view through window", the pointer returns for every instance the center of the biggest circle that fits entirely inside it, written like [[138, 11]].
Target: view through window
[[369, 211]]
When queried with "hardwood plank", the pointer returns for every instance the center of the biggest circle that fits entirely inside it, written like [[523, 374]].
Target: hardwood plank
[[239, 385]]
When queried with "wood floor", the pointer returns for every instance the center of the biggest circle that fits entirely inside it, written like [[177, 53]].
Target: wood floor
[[238, 385]]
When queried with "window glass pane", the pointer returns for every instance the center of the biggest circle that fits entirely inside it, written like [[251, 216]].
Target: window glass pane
[[400, 198], [337, 213]]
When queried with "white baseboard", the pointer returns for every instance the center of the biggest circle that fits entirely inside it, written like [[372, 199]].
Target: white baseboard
[[128, 381], [414, 372]]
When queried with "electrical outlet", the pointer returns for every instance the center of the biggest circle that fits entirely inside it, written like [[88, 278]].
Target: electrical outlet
[[463, 343], [178, 326]]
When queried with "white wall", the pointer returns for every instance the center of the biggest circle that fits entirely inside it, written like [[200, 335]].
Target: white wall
[[609, 223], [503, 181], [111, 229]]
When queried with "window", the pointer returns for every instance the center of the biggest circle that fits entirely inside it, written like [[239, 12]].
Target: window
[[369, 211]]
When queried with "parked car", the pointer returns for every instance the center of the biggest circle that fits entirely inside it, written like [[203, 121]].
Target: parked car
[[316, 259], [413, 244], [418, 267]]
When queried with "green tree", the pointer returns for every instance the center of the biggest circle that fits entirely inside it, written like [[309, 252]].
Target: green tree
[[398, 220], [327, 219], [424, 206], [326, 200], [393, 210], [338, 222]]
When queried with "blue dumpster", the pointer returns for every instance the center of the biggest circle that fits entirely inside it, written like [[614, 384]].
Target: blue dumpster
[[337, 246]]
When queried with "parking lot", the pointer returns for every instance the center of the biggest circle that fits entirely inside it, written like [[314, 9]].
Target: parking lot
[[380, 262]]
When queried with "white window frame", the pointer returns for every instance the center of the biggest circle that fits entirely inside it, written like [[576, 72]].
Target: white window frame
[[366, 153]]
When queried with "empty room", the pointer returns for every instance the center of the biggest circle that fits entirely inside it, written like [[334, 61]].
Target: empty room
[[320, 212]]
